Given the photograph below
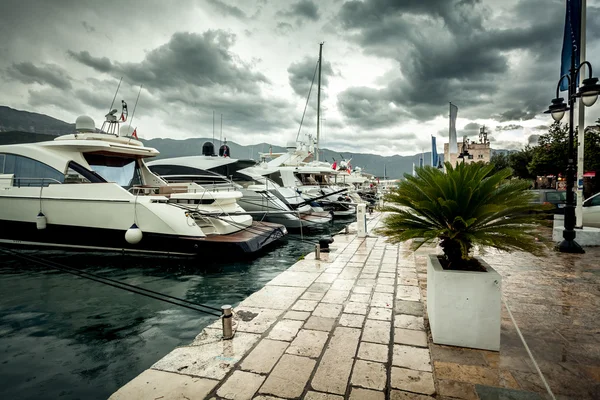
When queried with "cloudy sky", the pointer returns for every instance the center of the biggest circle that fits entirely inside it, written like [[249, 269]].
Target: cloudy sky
[[390, 67]]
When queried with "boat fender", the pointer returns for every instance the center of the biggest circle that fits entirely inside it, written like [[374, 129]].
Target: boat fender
[[133, 235], [41, 221]]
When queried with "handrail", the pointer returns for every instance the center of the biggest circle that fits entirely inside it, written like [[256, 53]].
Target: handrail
[[17, 179]]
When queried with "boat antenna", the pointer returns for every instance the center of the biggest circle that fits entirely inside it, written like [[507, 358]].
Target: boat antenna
[[319, 97], [114, 98], [221, 136], [135, 105], [213, 127]]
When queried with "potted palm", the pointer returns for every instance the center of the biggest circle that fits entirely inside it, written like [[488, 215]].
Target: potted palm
[[464, 207]]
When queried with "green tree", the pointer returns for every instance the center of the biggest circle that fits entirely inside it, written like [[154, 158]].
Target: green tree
[[463, 207], [519, 163], [550, 156], [500, 162]]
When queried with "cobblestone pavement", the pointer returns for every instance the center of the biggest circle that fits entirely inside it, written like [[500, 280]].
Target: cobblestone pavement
[[352, 326]]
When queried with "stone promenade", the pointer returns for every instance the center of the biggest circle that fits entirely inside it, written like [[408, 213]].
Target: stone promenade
[[351, 326]]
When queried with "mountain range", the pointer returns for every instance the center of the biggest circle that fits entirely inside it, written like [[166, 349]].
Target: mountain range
[[25, 127]]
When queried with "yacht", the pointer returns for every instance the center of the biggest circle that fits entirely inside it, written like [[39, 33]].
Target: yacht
[[261, 197], [92, 190]]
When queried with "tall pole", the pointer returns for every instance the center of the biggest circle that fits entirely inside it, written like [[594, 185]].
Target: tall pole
[[213, 127], [569, 245], [319, 98], [581, 127], [221, 135]]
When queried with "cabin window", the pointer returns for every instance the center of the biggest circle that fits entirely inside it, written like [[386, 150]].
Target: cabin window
[[276, 177], [79, 174], [29, 172], [123, 171]]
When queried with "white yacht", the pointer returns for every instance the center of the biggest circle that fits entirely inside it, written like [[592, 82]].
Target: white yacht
[[261, 197], [93, 191]]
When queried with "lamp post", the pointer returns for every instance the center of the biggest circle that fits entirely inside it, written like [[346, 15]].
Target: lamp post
[[589, 94], [465, 150]]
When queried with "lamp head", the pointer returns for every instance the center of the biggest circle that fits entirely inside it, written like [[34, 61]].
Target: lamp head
[[557, 108], [589, 91]]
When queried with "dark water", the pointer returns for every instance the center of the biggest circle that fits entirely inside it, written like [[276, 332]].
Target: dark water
[[65, 337]]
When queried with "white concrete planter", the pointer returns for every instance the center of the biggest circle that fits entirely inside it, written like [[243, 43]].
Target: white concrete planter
[[464, 307]]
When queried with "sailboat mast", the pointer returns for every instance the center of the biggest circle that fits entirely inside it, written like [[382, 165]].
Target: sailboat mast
[[319, 98]]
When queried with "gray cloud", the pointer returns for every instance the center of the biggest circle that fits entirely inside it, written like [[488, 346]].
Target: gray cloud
[[303, 9], [187, 59], [367, 107], [48, 74], [301, 75], [509, 127], [283, 28], [533, 139], [472, 126], [88, 28], [226, 9]]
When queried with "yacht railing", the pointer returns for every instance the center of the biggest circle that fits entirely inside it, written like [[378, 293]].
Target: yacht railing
[[29, 182]]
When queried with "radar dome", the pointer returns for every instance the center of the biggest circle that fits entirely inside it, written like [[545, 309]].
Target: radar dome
[[208, 149], [85, 124]]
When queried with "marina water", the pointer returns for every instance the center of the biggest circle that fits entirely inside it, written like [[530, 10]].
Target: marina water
[[65, 337]]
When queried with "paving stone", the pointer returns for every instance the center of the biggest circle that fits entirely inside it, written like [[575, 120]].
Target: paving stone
[[373, 352], [412, 357], [327, 310], [383, 314], [312, 296], [369, 275], [352, 320], [240, 386], [366, 394], [402, 395], [384, 288], [294, 279], [342, 284], [326, 278], [409, 322], [264, 356], [412, 381], [308, 343], [410, 337], [366, 282], [355, 308], [305, 305], [336, 296], [489, 392], [377, 331], [360, 298], [362, 289], [409, 293], [409, 307], [386, 281], [466, 373], [319, 287], [408, 281], [153, 384], [276, 297], [368, 374], [285, 330], [321, 396], [254, 320], [320, 323], [297, 315], [212, 360], [385, 300], [461, 390], [335, 367], [289, 377], [267, 398], [350, 273]]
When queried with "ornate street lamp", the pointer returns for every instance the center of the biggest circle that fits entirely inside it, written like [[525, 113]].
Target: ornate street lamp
[[589, 94]]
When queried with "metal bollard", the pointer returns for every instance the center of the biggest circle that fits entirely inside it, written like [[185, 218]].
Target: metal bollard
[[346, 230], [227, 319], [317, 252]]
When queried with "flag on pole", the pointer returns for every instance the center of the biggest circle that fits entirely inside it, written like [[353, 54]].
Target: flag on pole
[[134, 134], [571, 40], [452, 145], [434, 154]]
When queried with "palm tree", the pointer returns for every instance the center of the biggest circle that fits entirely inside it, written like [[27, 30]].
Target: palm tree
[[466, 206]]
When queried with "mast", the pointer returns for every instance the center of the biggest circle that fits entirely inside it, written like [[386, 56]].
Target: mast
[[319, 98]]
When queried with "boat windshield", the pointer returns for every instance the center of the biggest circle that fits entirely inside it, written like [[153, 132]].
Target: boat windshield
[[124, 171]]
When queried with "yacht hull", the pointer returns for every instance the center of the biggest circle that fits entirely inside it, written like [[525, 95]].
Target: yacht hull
[[246, 241]]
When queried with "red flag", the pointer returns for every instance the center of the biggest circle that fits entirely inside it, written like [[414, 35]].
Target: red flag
[[122, 117], [334, 166], [134, 134]]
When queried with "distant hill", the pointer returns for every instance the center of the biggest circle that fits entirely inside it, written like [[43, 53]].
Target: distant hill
[[395, 166], [24, 121], [25, 127]]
